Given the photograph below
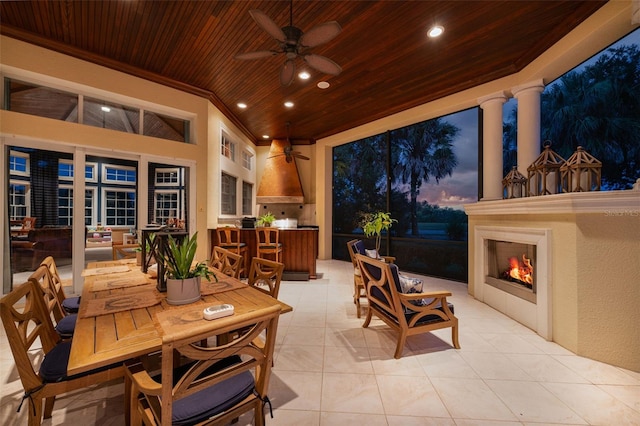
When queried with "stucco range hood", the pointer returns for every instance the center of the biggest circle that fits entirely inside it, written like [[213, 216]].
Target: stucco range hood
[[280, 181]]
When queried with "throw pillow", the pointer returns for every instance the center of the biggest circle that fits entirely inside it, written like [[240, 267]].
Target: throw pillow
[[372, 253], [410, 284]]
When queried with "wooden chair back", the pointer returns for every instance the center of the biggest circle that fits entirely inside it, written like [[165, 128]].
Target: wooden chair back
[[358, 284], [124, 251], [408, 314], [28, 223], [229, 238], [265, 275], [42, 277], [247, 351], [226, 261], [268, 242], [27, 326]]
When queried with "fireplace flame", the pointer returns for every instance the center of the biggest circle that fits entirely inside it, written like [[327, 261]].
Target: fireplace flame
[[521, 271]]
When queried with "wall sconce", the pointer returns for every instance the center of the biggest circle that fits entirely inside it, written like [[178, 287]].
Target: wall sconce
[[582, 172], [544, 173], [514, 184]]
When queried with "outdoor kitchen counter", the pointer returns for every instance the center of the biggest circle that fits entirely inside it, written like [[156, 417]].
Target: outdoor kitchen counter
[[299, 249]]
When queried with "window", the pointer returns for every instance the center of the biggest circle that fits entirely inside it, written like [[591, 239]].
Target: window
[[246, 160], [228, 148], [165, 127], [247, 198], [89, 207], [18, 198], [166, 206], [119, 174], [65, 169], [90, 174], [120, 208], [228, 194], [19, 163], [33, 99], [65, 206], [168, 177]]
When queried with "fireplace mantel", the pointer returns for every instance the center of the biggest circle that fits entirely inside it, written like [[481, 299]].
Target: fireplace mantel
[[605, 202]]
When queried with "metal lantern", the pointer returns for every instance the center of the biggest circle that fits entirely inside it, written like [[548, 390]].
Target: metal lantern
[[544, 173], [514, 184], [581, 172]]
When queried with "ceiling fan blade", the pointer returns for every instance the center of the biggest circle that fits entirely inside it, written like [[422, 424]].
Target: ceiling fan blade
[[256, 55], [268, 25], [322, 64], [287, 72], [320, 34], [300, 156]]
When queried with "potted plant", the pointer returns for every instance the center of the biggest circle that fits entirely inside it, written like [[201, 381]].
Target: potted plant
[[266, 219], [374, 223], [183, 275]]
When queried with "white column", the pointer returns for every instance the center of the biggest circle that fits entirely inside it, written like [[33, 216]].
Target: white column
[[492, 145], [528, 96]]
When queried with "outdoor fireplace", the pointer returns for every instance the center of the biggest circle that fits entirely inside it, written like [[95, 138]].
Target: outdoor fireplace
[[510, 268], [513, 273]]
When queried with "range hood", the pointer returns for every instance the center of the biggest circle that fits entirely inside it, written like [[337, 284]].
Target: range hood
[[280, 181]]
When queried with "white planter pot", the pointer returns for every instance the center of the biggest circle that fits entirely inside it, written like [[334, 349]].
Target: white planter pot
[[181, 292]]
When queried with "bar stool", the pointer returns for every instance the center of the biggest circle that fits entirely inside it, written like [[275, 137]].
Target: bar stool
[[267, 243], [229, 239]]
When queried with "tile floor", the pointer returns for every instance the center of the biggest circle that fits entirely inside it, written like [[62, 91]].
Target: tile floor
[[330, 371]]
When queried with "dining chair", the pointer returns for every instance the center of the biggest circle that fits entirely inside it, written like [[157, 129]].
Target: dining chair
[[69, 304], [65, 322], [30, 332], [267, 243], [358, 284], [265, 275], [230, 238], [227, 262], [217, 384]]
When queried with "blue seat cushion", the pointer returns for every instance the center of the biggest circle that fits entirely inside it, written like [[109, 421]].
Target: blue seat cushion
[[54, 365], [66, 326], [71, 304], [212, 400]]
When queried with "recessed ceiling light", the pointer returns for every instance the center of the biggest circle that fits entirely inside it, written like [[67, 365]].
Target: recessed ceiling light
[[242, 105], [106, 109], [304, 75], [265, 136], [323, 85], [435, 31], [288, 104]]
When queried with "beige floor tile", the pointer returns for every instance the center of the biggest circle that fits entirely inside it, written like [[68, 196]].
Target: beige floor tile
[[295, 390], [347, 360], [419, 421], [282, 417], [351, 393], [350, 419], [410, 396], [448, 363]]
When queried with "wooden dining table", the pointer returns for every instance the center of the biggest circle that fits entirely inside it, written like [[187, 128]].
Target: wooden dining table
[[121, 309]]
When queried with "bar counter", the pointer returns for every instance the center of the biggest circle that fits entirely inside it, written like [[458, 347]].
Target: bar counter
[[299, 248]]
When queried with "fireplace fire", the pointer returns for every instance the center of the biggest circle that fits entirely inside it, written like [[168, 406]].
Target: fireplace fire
[[520, 272], [510, 268]]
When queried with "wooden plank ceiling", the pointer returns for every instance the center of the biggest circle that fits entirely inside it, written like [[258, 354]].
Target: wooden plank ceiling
[[388, 62]]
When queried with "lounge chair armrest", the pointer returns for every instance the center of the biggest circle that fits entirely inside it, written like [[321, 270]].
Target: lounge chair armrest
[[425, 295], [141, 378]]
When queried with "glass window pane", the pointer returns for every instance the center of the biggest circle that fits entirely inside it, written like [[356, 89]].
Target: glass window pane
[[109, 115], [165, 127], [28, 98], [247, 198], [228, 194]]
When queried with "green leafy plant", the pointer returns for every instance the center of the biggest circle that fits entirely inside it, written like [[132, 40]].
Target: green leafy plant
[[179, 260], [266, 219], [373, 224]]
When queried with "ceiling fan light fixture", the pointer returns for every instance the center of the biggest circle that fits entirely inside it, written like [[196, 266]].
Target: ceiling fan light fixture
[[435, 31], [304, 75]]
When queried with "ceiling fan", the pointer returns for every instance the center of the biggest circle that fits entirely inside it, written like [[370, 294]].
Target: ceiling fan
[[288, 151], [293, 43]]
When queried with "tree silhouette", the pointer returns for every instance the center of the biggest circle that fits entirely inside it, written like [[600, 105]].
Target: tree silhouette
[[424, 150]]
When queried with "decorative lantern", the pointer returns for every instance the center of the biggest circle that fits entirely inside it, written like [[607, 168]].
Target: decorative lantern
[[544, 172], [582, 172], [514, 184]]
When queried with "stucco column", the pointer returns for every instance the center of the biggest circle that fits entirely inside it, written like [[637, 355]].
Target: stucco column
[[492, 145], [528, 96]]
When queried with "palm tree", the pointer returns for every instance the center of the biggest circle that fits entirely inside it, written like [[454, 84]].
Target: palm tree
[[424, 150]]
